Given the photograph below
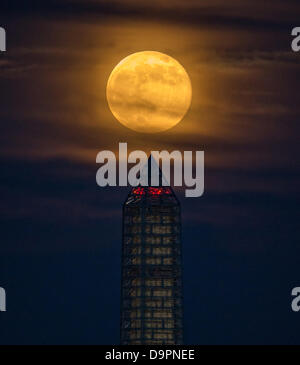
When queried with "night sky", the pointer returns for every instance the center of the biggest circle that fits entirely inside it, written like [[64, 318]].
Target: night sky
[[60, 237]]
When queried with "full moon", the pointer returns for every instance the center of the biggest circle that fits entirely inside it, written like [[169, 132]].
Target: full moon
[[149, 92]]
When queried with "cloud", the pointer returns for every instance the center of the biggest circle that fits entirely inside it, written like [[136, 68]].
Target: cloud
[[11, 68], [213, 14]]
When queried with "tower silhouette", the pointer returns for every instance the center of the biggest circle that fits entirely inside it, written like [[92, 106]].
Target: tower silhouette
[[151, 287]]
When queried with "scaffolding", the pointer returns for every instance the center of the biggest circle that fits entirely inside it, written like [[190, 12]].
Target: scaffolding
[[151, 287]]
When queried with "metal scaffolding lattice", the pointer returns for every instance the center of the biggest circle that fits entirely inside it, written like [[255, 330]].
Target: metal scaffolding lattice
[[151, 288]]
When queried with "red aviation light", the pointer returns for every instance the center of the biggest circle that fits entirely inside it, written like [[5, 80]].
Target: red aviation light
[[152, 191], [139, 191], [159, 191]]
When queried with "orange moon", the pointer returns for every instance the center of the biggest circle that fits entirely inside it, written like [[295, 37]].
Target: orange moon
[[149, 92]]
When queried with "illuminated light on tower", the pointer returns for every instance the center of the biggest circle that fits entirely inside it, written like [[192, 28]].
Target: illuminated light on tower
[[151, 288]]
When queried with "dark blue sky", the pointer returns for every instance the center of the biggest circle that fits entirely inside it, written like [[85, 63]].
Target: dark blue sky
[[60, 240]]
